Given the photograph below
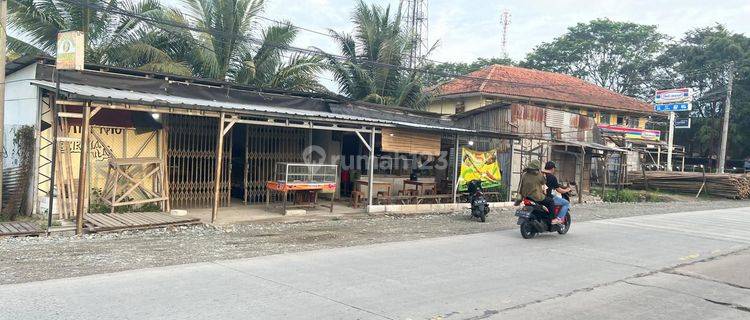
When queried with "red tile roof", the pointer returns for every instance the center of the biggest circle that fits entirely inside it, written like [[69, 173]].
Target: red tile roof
[[535, 84]]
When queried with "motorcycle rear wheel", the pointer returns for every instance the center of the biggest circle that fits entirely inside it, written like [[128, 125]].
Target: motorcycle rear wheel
[[527, 230]]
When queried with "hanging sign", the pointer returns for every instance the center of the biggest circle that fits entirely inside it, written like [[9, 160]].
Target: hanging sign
[[683, 106], [682, 123], [673, 95], [70, 50]]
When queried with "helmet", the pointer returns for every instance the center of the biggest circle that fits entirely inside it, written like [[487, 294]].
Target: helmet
[[550, 165], [534, 165]]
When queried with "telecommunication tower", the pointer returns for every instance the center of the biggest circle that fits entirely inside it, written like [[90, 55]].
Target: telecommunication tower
[[416, 26], [505, 22]]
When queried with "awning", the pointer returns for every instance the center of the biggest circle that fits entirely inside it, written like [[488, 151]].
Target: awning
[[87, 92]]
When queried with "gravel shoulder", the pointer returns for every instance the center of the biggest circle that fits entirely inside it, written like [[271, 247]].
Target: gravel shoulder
[[34, 259]]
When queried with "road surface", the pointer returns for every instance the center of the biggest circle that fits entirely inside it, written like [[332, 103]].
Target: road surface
[[676, 266]]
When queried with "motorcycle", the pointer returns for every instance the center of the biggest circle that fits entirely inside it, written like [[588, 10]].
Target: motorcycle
[[479, 205], [534, 218]]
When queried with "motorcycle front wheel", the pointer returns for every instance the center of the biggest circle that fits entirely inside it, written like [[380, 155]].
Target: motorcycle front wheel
[[527, 230], [565, 227]]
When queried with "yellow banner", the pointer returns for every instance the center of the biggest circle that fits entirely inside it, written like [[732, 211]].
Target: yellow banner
[[476, 165]]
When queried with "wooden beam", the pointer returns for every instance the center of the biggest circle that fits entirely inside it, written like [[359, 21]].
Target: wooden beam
[[69, 115], [229, 126], [82, 171], [364, 142], [95, 111], [217, 167]]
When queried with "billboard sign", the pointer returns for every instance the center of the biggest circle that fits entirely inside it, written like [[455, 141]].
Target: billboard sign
[[673, 95], [682, 123], [682, 106], [70, 50], [632, 133]]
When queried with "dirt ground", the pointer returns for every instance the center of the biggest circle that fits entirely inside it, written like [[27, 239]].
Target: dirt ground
[[33, 259]]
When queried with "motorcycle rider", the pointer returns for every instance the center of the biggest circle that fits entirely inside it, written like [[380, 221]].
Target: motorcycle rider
[[533, 184], [552, 184]]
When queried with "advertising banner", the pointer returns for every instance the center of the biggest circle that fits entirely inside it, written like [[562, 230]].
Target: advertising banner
[[478, 165]]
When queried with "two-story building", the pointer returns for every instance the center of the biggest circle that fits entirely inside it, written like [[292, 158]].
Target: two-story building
[[559, 115]]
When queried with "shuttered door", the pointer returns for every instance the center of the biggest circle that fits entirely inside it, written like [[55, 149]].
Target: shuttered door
[[191, 158]]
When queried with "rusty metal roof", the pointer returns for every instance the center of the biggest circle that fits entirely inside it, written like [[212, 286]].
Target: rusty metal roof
[[88, 92]]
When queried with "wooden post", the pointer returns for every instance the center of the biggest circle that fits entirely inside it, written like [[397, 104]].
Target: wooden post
[[371, 174], [583, 167], [82, 169], [509, 174], [658, 158], [217, 171], [456, 166]]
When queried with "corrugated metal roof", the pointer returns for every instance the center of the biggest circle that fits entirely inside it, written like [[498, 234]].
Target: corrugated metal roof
[[109, 94]]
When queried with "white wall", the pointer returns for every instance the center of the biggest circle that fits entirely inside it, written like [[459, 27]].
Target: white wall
[[21, 104], [21, 98]]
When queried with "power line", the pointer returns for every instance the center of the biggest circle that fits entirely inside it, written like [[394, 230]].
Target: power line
[[256, 41], [314, 52]]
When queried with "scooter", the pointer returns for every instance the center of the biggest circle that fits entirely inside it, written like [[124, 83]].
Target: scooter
[[534, 218], [479, 205]]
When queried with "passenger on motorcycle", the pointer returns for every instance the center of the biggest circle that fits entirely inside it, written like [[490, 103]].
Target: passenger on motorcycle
[[533, 184], [553, 185]]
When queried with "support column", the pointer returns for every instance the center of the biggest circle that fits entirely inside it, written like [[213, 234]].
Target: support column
[[580, 182], [82, 168], [53, 158], [371, 173], [658, 158], [217, 167], [670, 145], [510, 169], [457, 156]]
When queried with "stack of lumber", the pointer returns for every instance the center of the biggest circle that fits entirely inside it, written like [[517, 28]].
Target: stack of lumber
[[731, 186]]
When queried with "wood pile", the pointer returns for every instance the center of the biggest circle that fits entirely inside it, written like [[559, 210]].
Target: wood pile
[[731, 186]]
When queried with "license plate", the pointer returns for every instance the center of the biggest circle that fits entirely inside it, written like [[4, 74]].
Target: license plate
[[523, 214]]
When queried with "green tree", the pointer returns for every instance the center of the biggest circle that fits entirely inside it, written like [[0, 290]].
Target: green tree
[[218, 38], [699, 60], [620, 56], [444, 71], [372, 62], [111, 38]]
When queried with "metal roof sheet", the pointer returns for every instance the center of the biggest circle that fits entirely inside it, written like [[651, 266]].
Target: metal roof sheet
[[109, 94]]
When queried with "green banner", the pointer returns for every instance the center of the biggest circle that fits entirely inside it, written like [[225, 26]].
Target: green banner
[[476, 165]]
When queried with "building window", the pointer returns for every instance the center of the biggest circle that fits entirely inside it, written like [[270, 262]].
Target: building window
[[633, 122], [460, 107], [620, 120], [604, 118]]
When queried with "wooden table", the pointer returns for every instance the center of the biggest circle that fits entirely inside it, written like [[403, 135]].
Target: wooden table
[[378, 185], [418, 184], [284, 189]]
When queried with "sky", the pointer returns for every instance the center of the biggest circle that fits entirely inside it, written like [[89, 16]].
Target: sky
[[466, 30]]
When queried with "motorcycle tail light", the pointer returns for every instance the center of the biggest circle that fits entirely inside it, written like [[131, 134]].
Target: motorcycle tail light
[[526, 202]]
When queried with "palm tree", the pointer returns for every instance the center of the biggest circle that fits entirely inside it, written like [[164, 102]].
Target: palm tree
[[370, 67], [223, 45], [111, 38]]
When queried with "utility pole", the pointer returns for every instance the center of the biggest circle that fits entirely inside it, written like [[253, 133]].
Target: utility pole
[[670, 145], [725, 127], [3, 53]]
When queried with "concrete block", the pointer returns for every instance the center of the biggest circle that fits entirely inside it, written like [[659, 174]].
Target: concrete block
[[178, 212], [295, 212]]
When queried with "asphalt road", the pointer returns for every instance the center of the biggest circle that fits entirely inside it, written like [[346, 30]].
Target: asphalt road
[[676, 266]]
